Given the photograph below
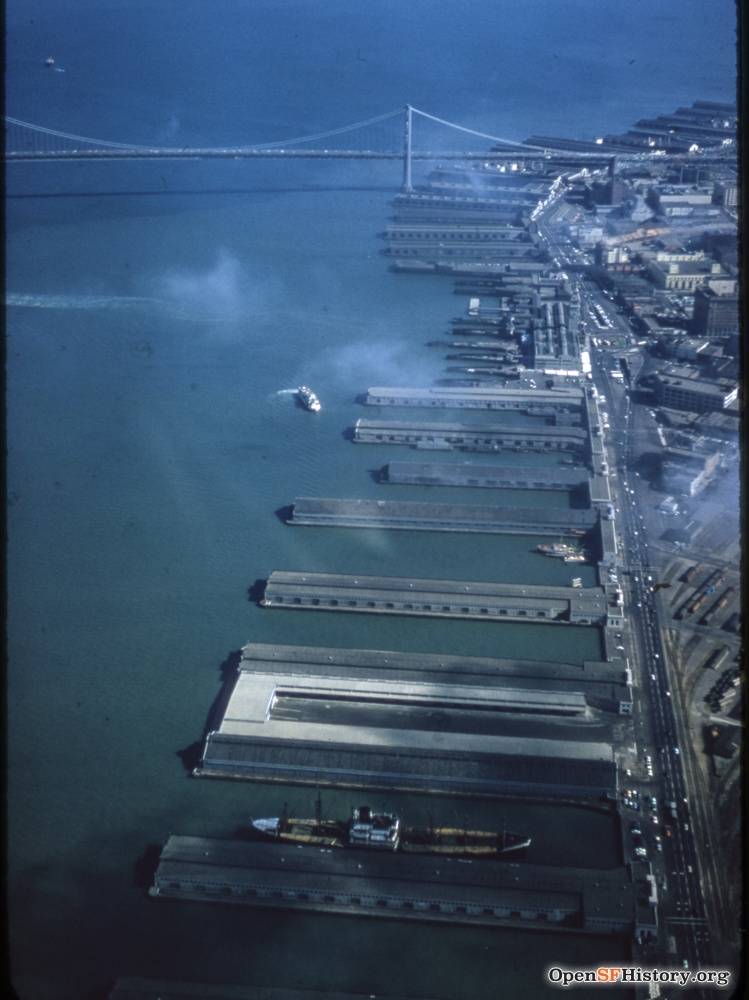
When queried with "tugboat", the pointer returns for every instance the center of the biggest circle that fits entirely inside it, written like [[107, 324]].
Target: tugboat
[[384, 831], [308, 399], [560, 550]]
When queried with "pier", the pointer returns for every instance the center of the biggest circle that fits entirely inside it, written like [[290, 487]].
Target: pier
[[605, 685], [557, 477], [435, 598], [467, 437], [478, 398], [412, 721], [386, 885], [420, 516]]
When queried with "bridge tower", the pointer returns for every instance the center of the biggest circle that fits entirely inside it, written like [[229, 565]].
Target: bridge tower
[[407, 186]]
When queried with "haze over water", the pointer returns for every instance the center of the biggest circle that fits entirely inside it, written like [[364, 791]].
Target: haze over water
[[156, 313]]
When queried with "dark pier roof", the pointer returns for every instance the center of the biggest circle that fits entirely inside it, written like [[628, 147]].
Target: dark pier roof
[[418, 515]]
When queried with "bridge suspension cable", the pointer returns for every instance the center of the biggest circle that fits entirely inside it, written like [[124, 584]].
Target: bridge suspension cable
[[484, 135], [71, 136], [471, 131], [330, 132], [257, 145]]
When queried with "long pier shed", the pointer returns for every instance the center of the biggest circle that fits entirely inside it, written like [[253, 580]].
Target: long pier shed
[[605, 685], [435, 598], [422, 516], [568, 398], [389, 885], [508, 477], [471, 437]]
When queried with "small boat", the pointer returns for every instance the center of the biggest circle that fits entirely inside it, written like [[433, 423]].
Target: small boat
[[49, 61], [308, 399], [575, 557], [559, 550]]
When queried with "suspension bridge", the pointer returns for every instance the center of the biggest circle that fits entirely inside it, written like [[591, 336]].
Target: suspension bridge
[[28, 142]]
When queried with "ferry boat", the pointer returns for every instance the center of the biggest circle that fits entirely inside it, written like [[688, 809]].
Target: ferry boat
[[308, 399], [384, 831]]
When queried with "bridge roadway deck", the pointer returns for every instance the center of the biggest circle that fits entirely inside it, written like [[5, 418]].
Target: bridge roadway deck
[[391, 885], [420, 516], [440, 598], [486, 476], [239, 153]]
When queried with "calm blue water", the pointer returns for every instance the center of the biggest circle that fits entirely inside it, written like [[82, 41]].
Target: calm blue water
[[160, 310]]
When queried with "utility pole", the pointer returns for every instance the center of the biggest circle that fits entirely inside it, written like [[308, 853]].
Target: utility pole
[[407, 187]]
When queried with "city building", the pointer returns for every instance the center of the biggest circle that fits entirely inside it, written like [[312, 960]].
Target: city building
[[683, 275], [727, 195], [715, 314], [684, 389]]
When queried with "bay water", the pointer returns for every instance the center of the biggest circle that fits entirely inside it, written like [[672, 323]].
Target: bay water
[[157, 317]]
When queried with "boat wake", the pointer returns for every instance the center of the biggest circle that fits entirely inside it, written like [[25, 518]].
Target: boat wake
[[286, 392], [78, 301], [121, 303]]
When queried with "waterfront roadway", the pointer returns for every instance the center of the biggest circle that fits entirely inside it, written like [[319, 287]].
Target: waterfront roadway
[[660, 719]]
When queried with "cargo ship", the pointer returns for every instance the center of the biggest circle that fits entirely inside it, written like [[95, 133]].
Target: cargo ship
[[384, 831], [308, 399]]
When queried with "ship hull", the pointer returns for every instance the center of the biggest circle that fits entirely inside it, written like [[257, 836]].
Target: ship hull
[[445, 841]]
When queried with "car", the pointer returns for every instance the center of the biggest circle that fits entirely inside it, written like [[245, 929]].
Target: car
[[668, 694], [634, 828], [652, 677], [677, 751]]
